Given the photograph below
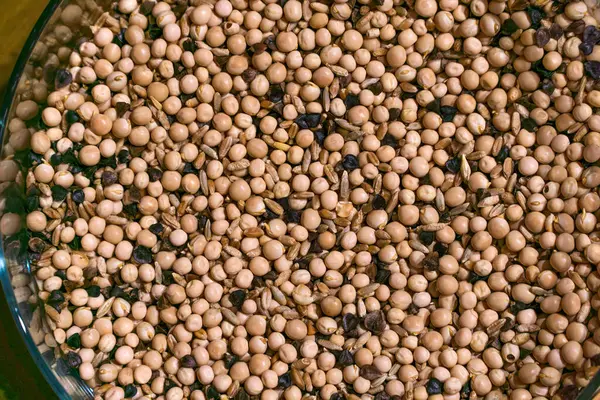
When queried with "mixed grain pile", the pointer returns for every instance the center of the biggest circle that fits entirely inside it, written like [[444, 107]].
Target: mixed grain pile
[[374, 200]]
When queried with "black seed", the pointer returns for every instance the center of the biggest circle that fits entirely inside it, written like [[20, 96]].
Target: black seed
[[548, 87], [523, 353], [306, 121], [448, 113], [375, 322], [167, 278], [434, 386], [146, 9], [121, 107], [202, 220], [93, 291], [32, 203], [55, 297], [241, 395], [258, 282], [124, 157], [74, 341], [503, 154], [59, 193], [350, 162], [154, 174], [586, 48], [538, 68], [394, 114], [320, 136], [116, 291], [592, 68], [72, 117], [509, 27], [426, 237], [157, 228], [382, 276], [466, 390], [349, 322], [432, 261], [536, 15], [269, 215], [142, 255], [336, 396], [55, 159], [188, 361], [344, 358], [435, 106], [134, 194], [542, 36], [189, 45], [73, 359], [109, 178], [230, 360], [237, 298], [169, 384], [130, 390], [440, 248], [351, 100], [276, 94], [130, 210], [591, 34], [119, 38], [390, 140], [473, 277], [134, 294], [518, 306], [453, 165], [188, 168], [270, 42], [379, 203], [510, 323], [529, 124], [556, 31], [63, 78], [412, 309], [284, 381], [271, 275], [221, 61], [154, 31], [284, 202], [382, 396], [61, 274], [293, 216], [376, 88]]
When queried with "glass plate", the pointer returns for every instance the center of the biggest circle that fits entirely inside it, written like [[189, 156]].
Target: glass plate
[[15, 273]]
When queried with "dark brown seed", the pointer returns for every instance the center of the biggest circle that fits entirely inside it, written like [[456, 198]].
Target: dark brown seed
[[370, 372], [249, 75], [556, 32], [576, 27], [375, 322], [542, 36]]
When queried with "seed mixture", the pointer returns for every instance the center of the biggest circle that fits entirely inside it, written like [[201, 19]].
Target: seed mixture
[[284, 199]]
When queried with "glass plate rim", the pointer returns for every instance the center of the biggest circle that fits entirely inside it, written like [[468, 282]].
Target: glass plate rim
[[5, 279]]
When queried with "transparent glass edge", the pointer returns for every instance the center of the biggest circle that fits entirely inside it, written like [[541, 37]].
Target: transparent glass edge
[[5, 278]]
